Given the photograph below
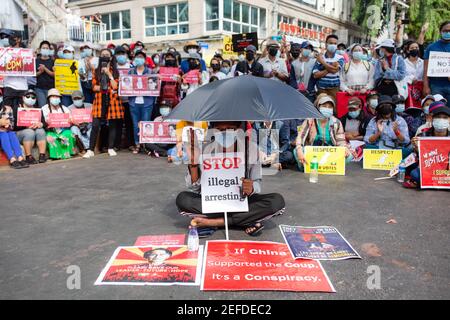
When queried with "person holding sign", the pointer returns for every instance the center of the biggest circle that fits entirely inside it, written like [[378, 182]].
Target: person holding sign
[[60, 140], [261, 207], [82, 120]]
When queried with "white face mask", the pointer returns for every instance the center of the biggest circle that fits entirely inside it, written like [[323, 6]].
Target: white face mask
[[192, 50], [164, 111], [78, 103], [440, 124], [29, 101]]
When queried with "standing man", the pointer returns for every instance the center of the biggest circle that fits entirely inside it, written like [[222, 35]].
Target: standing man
[[302, 67], [250, 65], [274, 67]]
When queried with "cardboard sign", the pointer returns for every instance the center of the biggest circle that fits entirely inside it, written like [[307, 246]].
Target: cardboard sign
[[254, 265], [331, 159], [58, 120], [381, 159], [320, 243], [168, 73], [158, 132], [67, 79], [434, 154], [135, 86], [17, 62], [152, 265], [439, 64], [164, 240], [81, 115], [192, 76], [221, 182], [27, 117], [242, 40]]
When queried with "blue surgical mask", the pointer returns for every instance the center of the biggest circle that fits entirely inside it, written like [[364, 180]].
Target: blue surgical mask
[[86, 53], [445, 36], [55, 101], [225, 70], [359, 56], [4, 42], [112, 51], [164, 111], [306, 52], [68, 56], [139, 62], [373, 103], [354, 114], [225, 139], [381, 54], [400, 108], [60, 54], [156, 60], [121, 59], [29, 101], [331, 48], [340, 52], [46, 52], [440, 124], [327, 112]]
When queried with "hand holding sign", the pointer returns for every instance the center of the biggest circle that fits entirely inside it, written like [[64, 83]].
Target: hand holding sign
[[247, 186]]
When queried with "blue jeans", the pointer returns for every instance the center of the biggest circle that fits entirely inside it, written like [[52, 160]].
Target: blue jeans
[[10, 144], [444, 90], [66, 100], [87, 91], [140, 112], [41, 95]]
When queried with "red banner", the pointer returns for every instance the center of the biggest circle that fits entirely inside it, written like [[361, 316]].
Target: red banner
[[434, 153], [28, 117], [414, 95], [17, 62], [135, 86], [58, 120], [192, 77], [123, 71], [168, 74], [164, 240], [157, 132], [81, 115], [252, 265]]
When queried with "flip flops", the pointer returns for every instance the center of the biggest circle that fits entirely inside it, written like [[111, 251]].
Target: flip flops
[[258, 228]]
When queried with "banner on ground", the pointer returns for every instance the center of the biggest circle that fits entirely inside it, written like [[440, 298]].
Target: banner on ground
[[27, 117], [255, 265], [434, 154], [163, 240], [81, 115], [439, 64], [221, 182], [152, 265], [242, 40], [17, 62], [319, 243], [168, 73], [67, 79], [139, 85], [331, 159], [158, 132], [58, 120], [381, 159]]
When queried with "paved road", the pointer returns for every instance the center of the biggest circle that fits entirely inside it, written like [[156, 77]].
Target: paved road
[[77, 212]]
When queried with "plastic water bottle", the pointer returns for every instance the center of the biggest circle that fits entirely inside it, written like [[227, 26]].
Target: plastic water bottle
[[314, 170], [401, 172], [193, 241]]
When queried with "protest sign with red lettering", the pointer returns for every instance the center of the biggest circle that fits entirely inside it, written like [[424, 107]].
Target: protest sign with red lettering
[[27, 117], [123, 71], [163, 240], [58, 120], [135, 85], [192, 77], [256, 265], [434, 153], [17, 62], [168, 73], [221, 182], [153, 265], [157, 132], [81, 115]]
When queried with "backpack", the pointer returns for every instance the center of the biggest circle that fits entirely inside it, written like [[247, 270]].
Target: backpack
[[169, 93], [365, 63]]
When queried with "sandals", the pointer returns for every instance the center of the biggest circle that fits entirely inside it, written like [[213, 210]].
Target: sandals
[[136, 150], [257, 229], [410, 184]]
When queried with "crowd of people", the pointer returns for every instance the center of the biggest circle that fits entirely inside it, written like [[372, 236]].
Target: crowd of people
[[387, 97]]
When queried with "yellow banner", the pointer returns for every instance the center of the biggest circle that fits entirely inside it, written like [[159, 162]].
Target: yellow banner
[[381, 159], [331, 159], [66, 76], [227, 49]]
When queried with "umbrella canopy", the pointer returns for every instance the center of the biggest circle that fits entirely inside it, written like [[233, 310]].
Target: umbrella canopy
[[244, 98]]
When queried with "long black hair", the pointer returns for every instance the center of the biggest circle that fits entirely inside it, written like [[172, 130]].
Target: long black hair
[[378, 114], [112, 63]]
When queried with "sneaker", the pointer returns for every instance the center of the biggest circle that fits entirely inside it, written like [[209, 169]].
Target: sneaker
[[89, 154], [42, 158], [15, 165], [112, 153], [30, 160], [24, 164]]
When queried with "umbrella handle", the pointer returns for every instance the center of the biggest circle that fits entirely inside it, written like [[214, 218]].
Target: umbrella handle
[[246, 174]]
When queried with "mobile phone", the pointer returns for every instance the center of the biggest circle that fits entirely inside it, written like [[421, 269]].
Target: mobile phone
[[104, 64]]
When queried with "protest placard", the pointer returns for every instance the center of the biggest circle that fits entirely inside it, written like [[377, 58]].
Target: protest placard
[[434, 154], [153, 265], [139, 85], [158, 132], [58, 120], [27, 117], [439, 64], [66, 76], [221, 181], [381, 159], [331, 159], [162, 240], [17, 62], [81, 115], [255, 265], [168, 73], [227, 48], [123, 71], [409, 160], [242, 40], [192, 77], [319, 243]]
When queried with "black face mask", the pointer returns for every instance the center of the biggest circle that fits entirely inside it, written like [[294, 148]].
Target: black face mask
[[171, 63], [295, 54], [104, 60], [193, 65], [273, 51], [215, 67], [414, 53], [249, 56]]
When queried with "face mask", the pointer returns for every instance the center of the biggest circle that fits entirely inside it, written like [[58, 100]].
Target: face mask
[[273, 51], [215, 67], [78, 103], [440, 124], [354, 114], [68, 56], [171, 63], [137, 49], [29, 101], [139, 62], [60, 54], [225, 139], [359, 56], [156, 60], [400, 108], [446, 36], [55, 101], [327, 112], [295, 55], [331, 48], [426, 109], [46, 52], [306, 52], [381, 54], [192, 50], [249, 56], [225, 70], [241, 57], [164, 111], [4, 42], [87, 52], [340, 52], [373, 103], [414, 53], [122, 59]]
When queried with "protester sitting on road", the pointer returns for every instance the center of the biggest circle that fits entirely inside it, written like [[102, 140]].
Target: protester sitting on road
[[81, 131], [355, 121], [427, 116], [60, 141], [215, 70], [291, 128], [321, 132], [261, 207], [249, 65], [413, 122], [34, 134], [274, 67], [357, 74]]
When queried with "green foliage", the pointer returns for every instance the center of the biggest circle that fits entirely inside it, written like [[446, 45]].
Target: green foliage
[[432, 11], [361, 14]]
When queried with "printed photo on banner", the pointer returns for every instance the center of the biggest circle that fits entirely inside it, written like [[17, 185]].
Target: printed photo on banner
[[158, 132], [27, 117], [139, 85], [67, 79], [123, 71], [257, 265], [153, 265], [81, 115], [381, 159], [434, 154], [331, 159], [318, 243], [168, 74], [58, 120], [162, 240], [221, 183], [17, 62], [439, 64]]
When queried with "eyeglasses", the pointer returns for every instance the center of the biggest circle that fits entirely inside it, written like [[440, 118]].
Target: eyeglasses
[[30, 96]]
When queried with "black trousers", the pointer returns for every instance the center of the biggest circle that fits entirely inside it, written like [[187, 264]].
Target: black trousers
[[127, 124], [260, 207], [158, 147], [96, 124]]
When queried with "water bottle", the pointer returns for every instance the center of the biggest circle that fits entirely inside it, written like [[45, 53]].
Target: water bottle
[[193, 239], [314, 170], [401, 172]]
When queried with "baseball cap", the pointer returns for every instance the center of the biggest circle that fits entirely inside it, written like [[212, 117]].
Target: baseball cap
[[439, 97], [272, 42], [251, 47], [68, 48], [439, 107], [30, 91], [77, 94], [325, 99], [385, 100], [354, 101], [388, 43], [398, 99], [428, 97], [306, 44], [120, 49]]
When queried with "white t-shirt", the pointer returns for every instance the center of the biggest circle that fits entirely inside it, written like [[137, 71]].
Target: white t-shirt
[[16, 83], [278, 64], [357, 75], [46, 110], [414, 71]]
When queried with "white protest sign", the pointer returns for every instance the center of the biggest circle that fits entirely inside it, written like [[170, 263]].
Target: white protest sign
[[439, 64], [221, 181]]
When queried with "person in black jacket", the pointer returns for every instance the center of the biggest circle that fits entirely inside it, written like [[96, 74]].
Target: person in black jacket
[[249, 65]]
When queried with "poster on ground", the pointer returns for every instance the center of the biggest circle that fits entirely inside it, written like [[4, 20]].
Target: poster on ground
[[152, 265], [256, 265], [67, 79], [17, 62], [161, 240], [139, 85], [331, 159], [158, 132], [381, 159], [434, 154], [318, 243], [27, 117]]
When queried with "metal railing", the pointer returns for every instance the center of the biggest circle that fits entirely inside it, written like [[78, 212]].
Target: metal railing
[[87, 31]]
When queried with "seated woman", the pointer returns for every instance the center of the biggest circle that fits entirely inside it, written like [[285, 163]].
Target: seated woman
[[427, 117], [321, 132], [34, 134], [261, 207], [371, 105], [61, 143], [387, 130], [161, 149], [81, 131]]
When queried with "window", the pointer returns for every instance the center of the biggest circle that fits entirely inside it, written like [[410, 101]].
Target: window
[[118, 25], [212, 15], [167, 20], [238, 17]]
